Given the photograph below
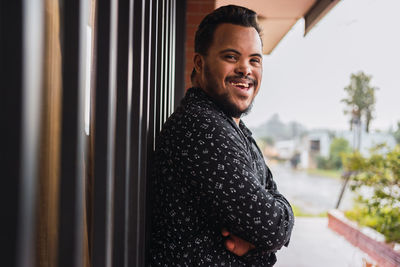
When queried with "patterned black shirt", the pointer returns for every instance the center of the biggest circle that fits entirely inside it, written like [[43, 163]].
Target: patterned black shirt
[[209, 174]]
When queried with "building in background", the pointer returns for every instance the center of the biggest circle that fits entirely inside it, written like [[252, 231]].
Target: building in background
[[317, 143]]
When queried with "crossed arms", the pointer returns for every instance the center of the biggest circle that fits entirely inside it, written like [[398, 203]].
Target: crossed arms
[[254, 216]]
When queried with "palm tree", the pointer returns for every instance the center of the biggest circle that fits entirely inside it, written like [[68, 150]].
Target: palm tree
[[360, 103]]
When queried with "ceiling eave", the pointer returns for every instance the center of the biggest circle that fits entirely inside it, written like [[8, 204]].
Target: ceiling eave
[[277, 18], [317, 12]]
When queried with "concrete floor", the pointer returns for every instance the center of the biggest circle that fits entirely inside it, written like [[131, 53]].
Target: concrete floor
[[313, 194], [313, 244]]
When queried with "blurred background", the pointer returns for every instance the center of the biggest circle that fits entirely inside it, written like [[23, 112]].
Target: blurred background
[[325, 96]]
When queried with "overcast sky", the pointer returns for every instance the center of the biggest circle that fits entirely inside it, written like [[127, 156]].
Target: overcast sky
[[304, 77]]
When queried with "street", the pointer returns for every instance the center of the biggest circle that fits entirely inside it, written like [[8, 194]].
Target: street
[[312, 243], [312, 194]]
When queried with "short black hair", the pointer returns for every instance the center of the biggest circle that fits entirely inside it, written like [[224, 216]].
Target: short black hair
[[232, 14]]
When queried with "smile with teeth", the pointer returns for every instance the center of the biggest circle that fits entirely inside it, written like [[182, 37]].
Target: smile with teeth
[[245, 85]]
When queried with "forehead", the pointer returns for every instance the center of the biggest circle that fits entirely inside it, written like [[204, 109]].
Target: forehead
[[244, 39]]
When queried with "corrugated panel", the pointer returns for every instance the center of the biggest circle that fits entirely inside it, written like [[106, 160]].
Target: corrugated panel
[[132, 73]]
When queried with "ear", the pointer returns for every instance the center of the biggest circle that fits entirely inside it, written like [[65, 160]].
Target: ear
[[198, 62]]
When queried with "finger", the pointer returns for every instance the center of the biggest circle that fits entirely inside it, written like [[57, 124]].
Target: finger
[[241, 246], [230, 245], [225, 232], [236, 248]]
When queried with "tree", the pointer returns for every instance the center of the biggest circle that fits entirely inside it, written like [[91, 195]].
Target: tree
[[360, 102], [380, 172], [338, 148], [396, 134]]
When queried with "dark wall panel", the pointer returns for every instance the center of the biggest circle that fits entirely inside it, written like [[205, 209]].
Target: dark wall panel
[[105, 132], [22, 31], [121, 145], [136, 80], [11, 103], [73, 147], [180, 62]]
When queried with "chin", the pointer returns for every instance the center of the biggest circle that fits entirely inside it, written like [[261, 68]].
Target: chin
[[243, 105]]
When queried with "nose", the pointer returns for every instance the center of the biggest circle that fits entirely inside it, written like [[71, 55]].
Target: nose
[[243, 68]]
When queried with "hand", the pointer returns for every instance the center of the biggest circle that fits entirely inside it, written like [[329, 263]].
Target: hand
[[235, 244]]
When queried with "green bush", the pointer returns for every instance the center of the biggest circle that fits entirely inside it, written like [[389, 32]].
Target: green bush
[[383, 219], [338, 148], [381, 174], [323, 163], [396, 134]]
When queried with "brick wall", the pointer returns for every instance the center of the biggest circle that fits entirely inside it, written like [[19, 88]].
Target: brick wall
[[196, 11], [382, 253]]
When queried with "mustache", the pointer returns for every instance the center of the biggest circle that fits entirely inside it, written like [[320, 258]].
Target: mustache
[[247, 78]]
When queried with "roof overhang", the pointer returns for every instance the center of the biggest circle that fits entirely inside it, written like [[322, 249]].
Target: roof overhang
[[277, 17]]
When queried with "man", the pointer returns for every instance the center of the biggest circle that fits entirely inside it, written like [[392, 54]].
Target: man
[[215, 202]]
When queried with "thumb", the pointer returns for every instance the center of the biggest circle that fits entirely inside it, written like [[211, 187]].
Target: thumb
[[230, 245]]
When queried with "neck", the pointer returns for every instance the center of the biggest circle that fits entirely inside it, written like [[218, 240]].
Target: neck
[[237, 120]]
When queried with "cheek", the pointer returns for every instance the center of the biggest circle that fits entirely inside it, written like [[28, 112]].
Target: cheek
[[221, 77], [224, 70], [258, 72], [258, 76]]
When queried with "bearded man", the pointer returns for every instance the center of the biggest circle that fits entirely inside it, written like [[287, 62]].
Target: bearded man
[[215, 202]]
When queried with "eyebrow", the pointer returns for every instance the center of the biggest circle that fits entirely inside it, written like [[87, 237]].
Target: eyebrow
[[237, 52]]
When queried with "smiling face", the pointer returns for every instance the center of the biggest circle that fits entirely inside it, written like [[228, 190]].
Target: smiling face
[[231, 71]]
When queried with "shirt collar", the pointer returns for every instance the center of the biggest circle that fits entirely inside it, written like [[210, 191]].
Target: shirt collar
[[197, 94], [244, 129]]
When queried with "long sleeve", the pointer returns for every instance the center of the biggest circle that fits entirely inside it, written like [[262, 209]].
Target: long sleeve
[[210, 174], [219, 168]]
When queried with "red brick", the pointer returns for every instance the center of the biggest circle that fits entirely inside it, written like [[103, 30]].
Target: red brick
[[196, 11], [199, 7], [189, 41], [194, 19], [380, 252], [208, 3], [190, 34], [191, 29]]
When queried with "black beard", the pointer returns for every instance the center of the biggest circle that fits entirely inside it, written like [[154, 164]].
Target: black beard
[[229, 108], [222, 101]]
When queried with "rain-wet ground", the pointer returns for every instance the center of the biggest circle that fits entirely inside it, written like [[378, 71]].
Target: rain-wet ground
[[311, 193], [312, 243]]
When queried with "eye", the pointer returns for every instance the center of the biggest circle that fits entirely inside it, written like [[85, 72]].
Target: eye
[[255, 60], [230, 57]]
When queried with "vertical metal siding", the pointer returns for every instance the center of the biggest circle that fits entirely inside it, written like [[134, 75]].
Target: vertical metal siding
[[11, 62], [179, 58], [21, 28], [73, 145], [104, 133], [163, 33], [159, 65], [136, 73], [33, 35], [121, 144]]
